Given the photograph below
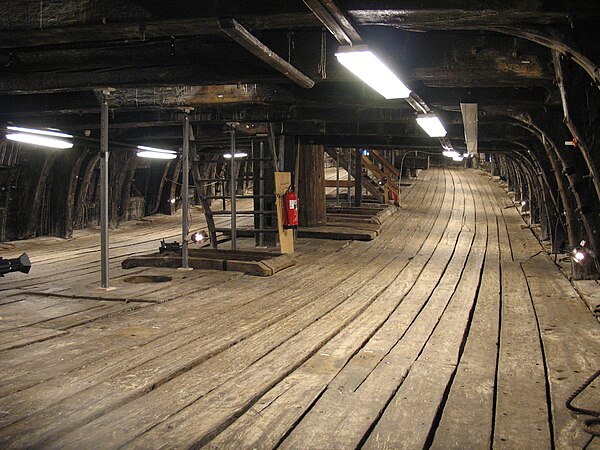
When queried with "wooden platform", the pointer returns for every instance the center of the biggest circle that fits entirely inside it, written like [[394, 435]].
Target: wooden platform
[[259, 263], [451, 330]]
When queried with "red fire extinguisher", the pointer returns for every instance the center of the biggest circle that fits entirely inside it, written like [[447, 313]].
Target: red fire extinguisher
[[290, 210]]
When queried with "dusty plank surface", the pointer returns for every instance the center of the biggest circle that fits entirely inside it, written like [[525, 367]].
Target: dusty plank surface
[[450, 330]]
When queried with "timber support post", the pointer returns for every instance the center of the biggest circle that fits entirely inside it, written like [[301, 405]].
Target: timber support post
[[312, 204]]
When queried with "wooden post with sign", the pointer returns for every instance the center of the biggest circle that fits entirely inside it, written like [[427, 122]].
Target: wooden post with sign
[[283, 180]]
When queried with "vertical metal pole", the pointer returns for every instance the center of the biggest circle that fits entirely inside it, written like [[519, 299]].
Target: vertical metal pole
[[185, 191], [349, 196], [261, 192], [104, 275], [337, 178], [357, 178], [233, 190]]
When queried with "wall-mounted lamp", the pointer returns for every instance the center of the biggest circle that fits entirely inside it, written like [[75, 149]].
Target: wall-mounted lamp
[[43, 138], [582, 254], [155, 153], [431, 124], [359, 60], [198, 237]]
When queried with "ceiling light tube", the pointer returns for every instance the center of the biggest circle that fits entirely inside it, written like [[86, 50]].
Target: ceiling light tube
[[52, 133], [365, 65], [155, 153], [451, 153], [431, 124], [40, 140], [235, 155], [43, 138]]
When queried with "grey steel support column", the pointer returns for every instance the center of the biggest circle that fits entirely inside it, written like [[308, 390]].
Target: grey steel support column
[[358, 178], [261, 192], [104, 153], [337, 177], [233, 191], [185, 191], [349, 197]]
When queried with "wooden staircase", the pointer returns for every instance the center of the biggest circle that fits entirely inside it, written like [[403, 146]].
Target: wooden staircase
[[379, 177]]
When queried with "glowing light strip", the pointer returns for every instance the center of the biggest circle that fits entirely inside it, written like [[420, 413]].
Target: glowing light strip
[[40, 132], [365, 65], [39, 140], [235, 155], [156, 155], [432, 125]]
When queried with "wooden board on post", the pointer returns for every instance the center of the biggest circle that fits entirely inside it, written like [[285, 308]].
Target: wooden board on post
[[283, 180]]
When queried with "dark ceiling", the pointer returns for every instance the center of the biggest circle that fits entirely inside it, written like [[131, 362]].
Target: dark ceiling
[[158, 57]]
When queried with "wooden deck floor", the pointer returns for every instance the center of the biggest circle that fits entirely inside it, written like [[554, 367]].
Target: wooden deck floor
[[453, 329]]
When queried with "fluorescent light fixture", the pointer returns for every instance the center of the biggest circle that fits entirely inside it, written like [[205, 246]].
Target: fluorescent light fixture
[[431, 124], [42, 141], [52, 133], [43, 138], [155, 153], [365, 65], [235, 155], [450, 153]]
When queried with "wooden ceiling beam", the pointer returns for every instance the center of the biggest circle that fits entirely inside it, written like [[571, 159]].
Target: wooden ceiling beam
[[242, 36], [335, 21], [146, 30]]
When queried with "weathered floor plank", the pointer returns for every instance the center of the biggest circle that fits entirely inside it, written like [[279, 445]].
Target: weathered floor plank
[[468, 415]]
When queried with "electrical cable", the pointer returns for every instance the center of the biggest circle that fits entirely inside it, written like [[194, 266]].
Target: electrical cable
[[588, 424]]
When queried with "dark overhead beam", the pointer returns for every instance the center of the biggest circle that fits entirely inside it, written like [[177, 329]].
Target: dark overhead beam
[[335, 21], [133, 118], [242, 36], [536, 26], [400, 143], [456, 18], [547, 38], [146, 30]]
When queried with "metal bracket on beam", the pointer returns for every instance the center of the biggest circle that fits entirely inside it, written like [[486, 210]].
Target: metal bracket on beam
[[242, 36]]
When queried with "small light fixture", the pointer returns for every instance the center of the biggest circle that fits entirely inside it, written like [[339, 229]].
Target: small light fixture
[[431, 124], [43, 138], [155, 153], [359, 60], [365, 152], [582, 255], [199, 236], [235, 155]]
